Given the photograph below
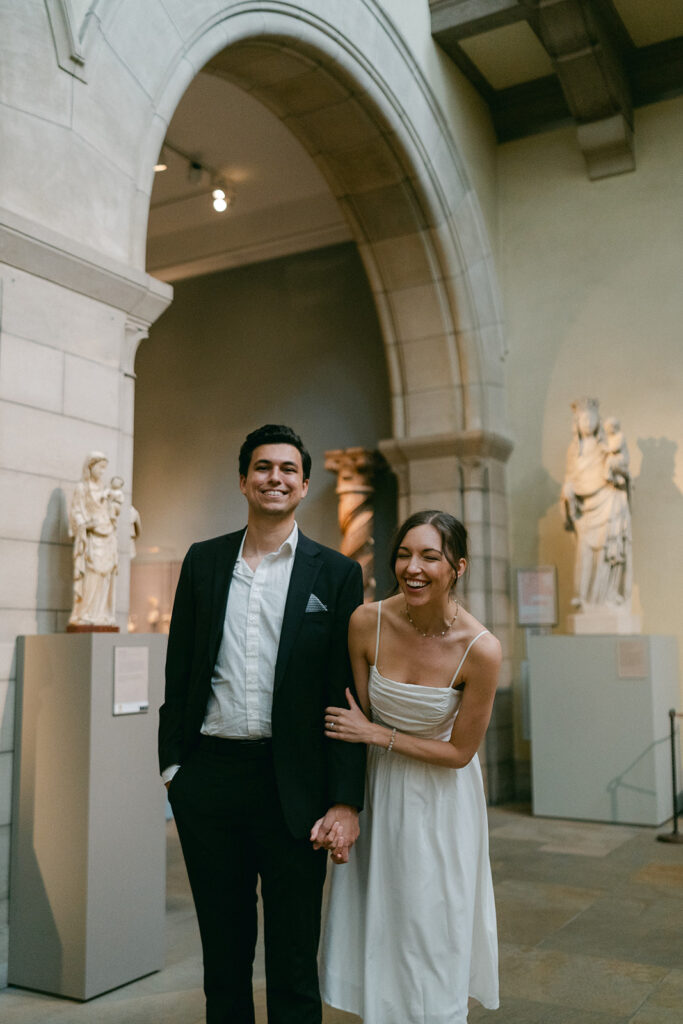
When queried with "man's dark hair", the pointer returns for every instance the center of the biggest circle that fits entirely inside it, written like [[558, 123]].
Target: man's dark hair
[[273, 433]]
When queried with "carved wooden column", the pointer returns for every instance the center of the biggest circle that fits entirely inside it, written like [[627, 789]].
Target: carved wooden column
[[356, 469]]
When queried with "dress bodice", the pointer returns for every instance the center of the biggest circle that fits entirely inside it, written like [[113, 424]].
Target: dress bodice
[[427, 711]]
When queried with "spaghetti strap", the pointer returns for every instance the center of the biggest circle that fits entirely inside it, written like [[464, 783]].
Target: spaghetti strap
[[462, 660], [379, 619]]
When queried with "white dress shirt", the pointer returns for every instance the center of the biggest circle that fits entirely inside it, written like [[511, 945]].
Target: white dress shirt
[[241, 698]]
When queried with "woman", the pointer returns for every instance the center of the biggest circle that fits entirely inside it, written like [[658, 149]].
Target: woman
[[411, 926]]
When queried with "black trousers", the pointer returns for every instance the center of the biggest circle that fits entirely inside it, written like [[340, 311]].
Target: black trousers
[[231, 827]]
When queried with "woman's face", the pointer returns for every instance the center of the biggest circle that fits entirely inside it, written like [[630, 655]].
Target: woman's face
[[423, 572], [587, 423], [97, 470]]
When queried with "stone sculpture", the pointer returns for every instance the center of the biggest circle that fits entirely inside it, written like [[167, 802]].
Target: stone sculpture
[[596, 504], [93, 516], [356, 469]]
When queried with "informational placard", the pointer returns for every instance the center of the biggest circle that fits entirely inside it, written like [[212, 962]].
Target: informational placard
[[632, 660], [537, 596], [131, 680]]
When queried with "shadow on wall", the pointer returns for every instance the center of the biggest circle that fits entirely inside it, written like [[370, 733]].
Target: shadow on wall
[[53, 585], [556, 545], [657, 506]]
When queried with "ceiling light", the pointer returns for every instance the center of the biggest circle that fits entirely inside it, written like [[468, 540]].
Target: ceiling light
[[218, 193], [160, 167], [220, 205]]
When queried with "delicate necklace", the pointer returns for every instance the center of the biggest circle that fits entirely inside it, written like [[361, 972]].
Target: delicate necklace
[[434, 636]]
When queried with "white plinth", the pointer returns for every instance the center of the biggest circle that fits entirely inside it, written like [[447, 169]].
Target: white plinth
[[599, 737], [604, 621], [88, 852]]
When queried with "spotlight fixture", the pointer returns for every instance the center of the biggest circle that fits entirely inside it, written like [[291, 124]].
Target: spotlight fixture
[[221, 197], [222, 191]]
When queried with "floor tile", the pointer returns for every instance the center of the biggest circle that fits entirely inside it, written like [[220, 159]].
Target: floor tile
[[663, 876], [581, 838], [626, 927], [578, 982], [665, 1004], [529, 912], [589, 934], [523, 1011]]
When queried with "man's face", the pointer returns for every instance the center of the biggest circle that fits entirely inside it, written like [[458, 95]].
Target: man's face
[[274, 484]]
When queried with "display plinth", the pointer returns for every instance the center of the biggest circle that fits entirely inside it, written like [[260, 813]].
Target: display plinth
[[599, 621], [88, 849], [600, 726]]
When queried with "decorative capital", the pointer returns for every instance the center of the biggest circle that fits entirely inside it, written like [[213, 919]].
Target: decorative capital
[[355, 467]]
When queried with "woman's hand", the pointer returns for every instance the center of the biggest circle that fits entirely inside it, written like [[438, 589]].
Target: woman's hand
[[348, 724]]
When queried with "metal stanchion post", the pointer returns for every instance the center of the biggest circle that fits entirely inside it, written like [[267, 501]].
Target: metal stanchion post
[[674, 836]]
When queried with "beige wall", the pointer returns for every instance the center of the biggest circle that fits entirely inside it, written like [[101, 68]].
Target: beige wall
[[294, 340], [466, 112], [591, 277]]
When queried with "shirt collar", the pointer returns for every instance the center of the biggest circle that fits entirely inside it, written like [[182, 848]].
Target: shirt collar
[[288, 546]]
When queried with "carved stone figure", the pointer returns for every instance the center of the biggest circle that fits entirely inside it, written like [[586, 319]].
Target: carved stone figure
[[356, 469], [595, 497], [92, 524]]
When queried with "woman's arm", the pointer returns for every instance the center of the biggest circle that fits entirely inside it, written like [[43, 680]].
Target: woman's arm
[[361, 624], [352, 726]]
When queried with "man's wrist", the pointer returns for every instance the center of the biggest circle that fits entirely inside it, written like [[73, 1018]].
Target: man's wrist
[[168, 773], [346, 807]]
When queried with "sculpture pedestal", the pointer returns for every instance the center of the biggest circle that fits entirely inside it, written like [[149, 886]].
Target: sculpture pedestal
[[602, 621], [88, 845], [600, 746]]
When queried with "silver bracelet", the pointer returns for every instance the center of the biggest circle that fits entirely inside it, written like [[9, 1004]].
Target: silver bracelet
[[391, 741]]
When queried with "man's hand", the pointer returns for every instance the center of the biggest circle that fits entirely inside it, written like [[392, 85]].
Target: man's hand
[[337, 831]]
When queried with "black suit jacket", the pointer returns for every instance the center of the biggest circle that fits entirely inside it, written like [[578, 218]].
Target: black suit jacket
[[311, 672]]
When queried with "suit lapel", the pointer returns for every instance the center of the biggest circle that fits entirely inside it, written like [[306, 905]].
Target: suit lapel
[[304, 571], [222, 577]]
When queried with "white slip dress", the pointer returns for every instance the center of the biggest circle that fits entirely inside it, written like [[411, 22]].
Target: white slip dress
[[410, 923]]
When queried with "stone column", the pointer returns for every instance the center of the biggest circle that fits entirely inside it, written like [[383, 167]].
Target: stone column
[[356, 469], [464, 474]]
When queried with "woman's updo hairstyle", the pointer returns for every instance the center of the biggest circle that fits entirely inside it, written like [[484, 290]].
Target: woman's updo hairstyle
[[452, 532]]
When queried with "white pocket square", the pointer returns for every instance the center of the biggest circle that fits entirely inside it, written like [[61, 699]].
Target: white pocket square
[[315, 604]]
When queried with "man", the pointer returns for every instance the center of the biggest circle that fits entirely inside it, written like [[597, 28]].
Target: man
[[257, 649]]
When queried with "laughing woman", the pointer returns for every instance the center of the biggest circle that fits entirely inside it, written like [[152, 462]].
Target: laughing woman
[[410, 933]]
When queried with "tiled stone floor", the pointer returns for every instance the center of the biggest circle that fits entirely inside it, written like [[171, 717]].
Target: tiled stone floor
[[590, 928]]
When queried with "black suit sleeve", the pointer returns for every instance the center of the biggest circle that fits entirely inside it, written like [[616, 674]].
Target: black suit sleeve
[[345, 761], [179, 660]]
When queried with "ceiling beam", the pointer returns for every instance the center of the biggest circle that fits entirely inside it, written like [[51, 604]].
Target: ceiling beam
[[457, 19], [529, 108], [589, 60], [656, 71]]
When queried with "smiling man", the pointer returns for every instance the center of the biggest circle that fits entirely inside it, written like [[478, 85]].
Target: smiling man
[[257, 649]]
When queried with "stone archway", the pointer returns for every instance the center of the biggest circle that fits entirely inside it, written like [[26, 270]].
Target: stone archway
[[354, 92], [355, 97]]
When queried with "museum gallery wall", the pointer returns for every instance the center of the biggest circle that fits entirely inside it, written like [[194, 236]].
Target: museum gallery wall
[[589, 274]]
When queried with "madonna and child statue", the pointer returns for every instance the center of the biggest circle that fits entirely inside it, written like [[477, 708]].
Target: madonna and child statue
[[93, 517], [597, 509]]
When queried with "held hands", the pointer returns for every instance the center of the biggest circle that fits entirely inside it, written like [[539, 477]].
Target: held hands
[[337, 831], [348, 724]]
